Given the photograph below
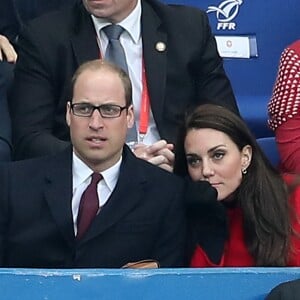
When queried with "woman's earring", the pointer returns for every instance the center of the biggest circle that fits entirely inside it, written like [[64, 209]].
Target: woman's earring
[[244, 171]]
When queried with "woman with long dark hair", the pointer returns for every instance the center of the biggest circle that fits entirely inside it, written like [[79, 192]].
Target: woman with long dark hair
[[215, 145]]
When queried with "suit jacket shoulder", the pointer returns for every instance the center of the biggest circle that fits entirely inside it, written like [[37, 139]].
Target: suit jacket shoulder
[[32, 175], [58, 23], [191, 18]]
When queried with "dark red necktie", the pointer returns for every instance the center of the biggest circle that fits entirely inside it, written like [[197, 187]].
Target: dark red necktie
[[89, 205]]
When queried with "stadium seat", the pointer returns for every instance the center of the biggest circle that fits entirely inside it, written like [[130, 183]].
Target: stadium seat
[[270, 26], [269, 147]]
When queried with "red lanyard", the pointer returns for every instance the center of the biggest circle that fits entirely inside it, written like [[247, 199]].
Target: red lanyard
[[145, 105]]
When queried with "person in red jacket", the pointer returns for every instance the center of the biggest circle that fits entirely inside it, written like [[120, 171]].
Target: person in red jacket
[[262, 209], [284, 109]]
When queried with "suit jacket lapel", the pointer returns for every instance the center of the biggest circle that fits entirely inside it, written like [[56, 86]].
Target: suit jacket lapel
[[155, 60], [84, 39], [58, 193], [127, 194]]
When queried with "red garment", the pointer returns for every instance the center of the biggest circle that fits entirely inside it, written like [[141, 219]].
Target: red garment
[[285, 101], [288, 142], [236, 253], [284, 109]]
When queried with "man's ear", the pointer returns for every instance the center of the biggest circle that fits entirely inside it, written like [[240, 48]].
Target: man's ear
[[68, 108], [130, 116]]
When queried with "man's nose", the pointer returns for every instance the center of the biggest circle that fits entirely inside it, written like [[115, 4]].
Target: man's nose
[[96, 120]]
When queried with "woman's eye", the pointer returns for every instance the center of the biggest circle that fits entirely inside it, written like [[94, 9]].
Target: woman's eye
[[193, 161], [218, 155]]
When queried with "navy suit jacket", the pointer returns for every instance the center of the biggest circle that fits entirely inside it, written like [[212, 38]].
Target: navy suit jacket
[[143, 218], [187, 73]]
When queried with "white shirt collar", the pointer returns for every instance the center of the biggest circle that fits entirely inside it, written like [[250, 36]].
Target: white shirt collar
[[81, 172], [132, 23]]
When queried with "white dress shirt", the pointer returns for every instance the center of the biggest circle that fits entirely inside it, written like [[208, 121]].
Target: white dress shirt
[[131, 41], [82, 178]]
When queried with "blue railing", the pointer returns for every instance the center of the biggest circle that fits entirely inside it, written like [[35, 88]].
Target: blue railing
[[211, 284]]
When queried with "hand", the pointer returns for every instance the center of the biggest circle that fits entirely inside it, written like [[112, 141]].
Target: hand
[[160, 154], [7, 50]]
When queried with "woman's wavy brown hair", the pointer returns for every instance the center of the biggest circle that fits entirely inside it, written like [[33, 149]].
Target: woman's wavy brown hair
[[262, 194]]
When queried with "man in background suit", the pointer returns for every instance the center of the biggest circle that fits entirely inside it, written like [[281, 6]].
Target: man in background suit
[[172, 44], [141, 214]]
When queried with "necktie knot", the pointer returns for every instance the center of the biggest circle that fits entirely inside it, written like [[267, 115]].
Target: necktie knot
[[113, 31], [96, 177]]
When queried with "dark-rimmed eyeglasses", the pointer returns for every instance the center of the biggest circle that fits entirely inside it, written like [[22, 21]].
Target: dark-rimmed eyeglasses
[[105, 110]]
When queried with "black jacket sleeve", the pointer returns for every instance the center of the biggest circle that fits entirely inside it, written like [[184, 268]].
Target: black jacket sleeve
[[207, 221]]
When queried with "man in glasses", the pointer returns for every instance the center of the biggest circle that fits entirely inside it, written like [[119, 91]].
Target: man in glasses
[[95, 204]]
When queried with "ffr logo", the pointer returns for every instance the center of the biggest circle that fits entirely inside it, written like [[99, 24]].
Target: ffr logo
[[225, 13]]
